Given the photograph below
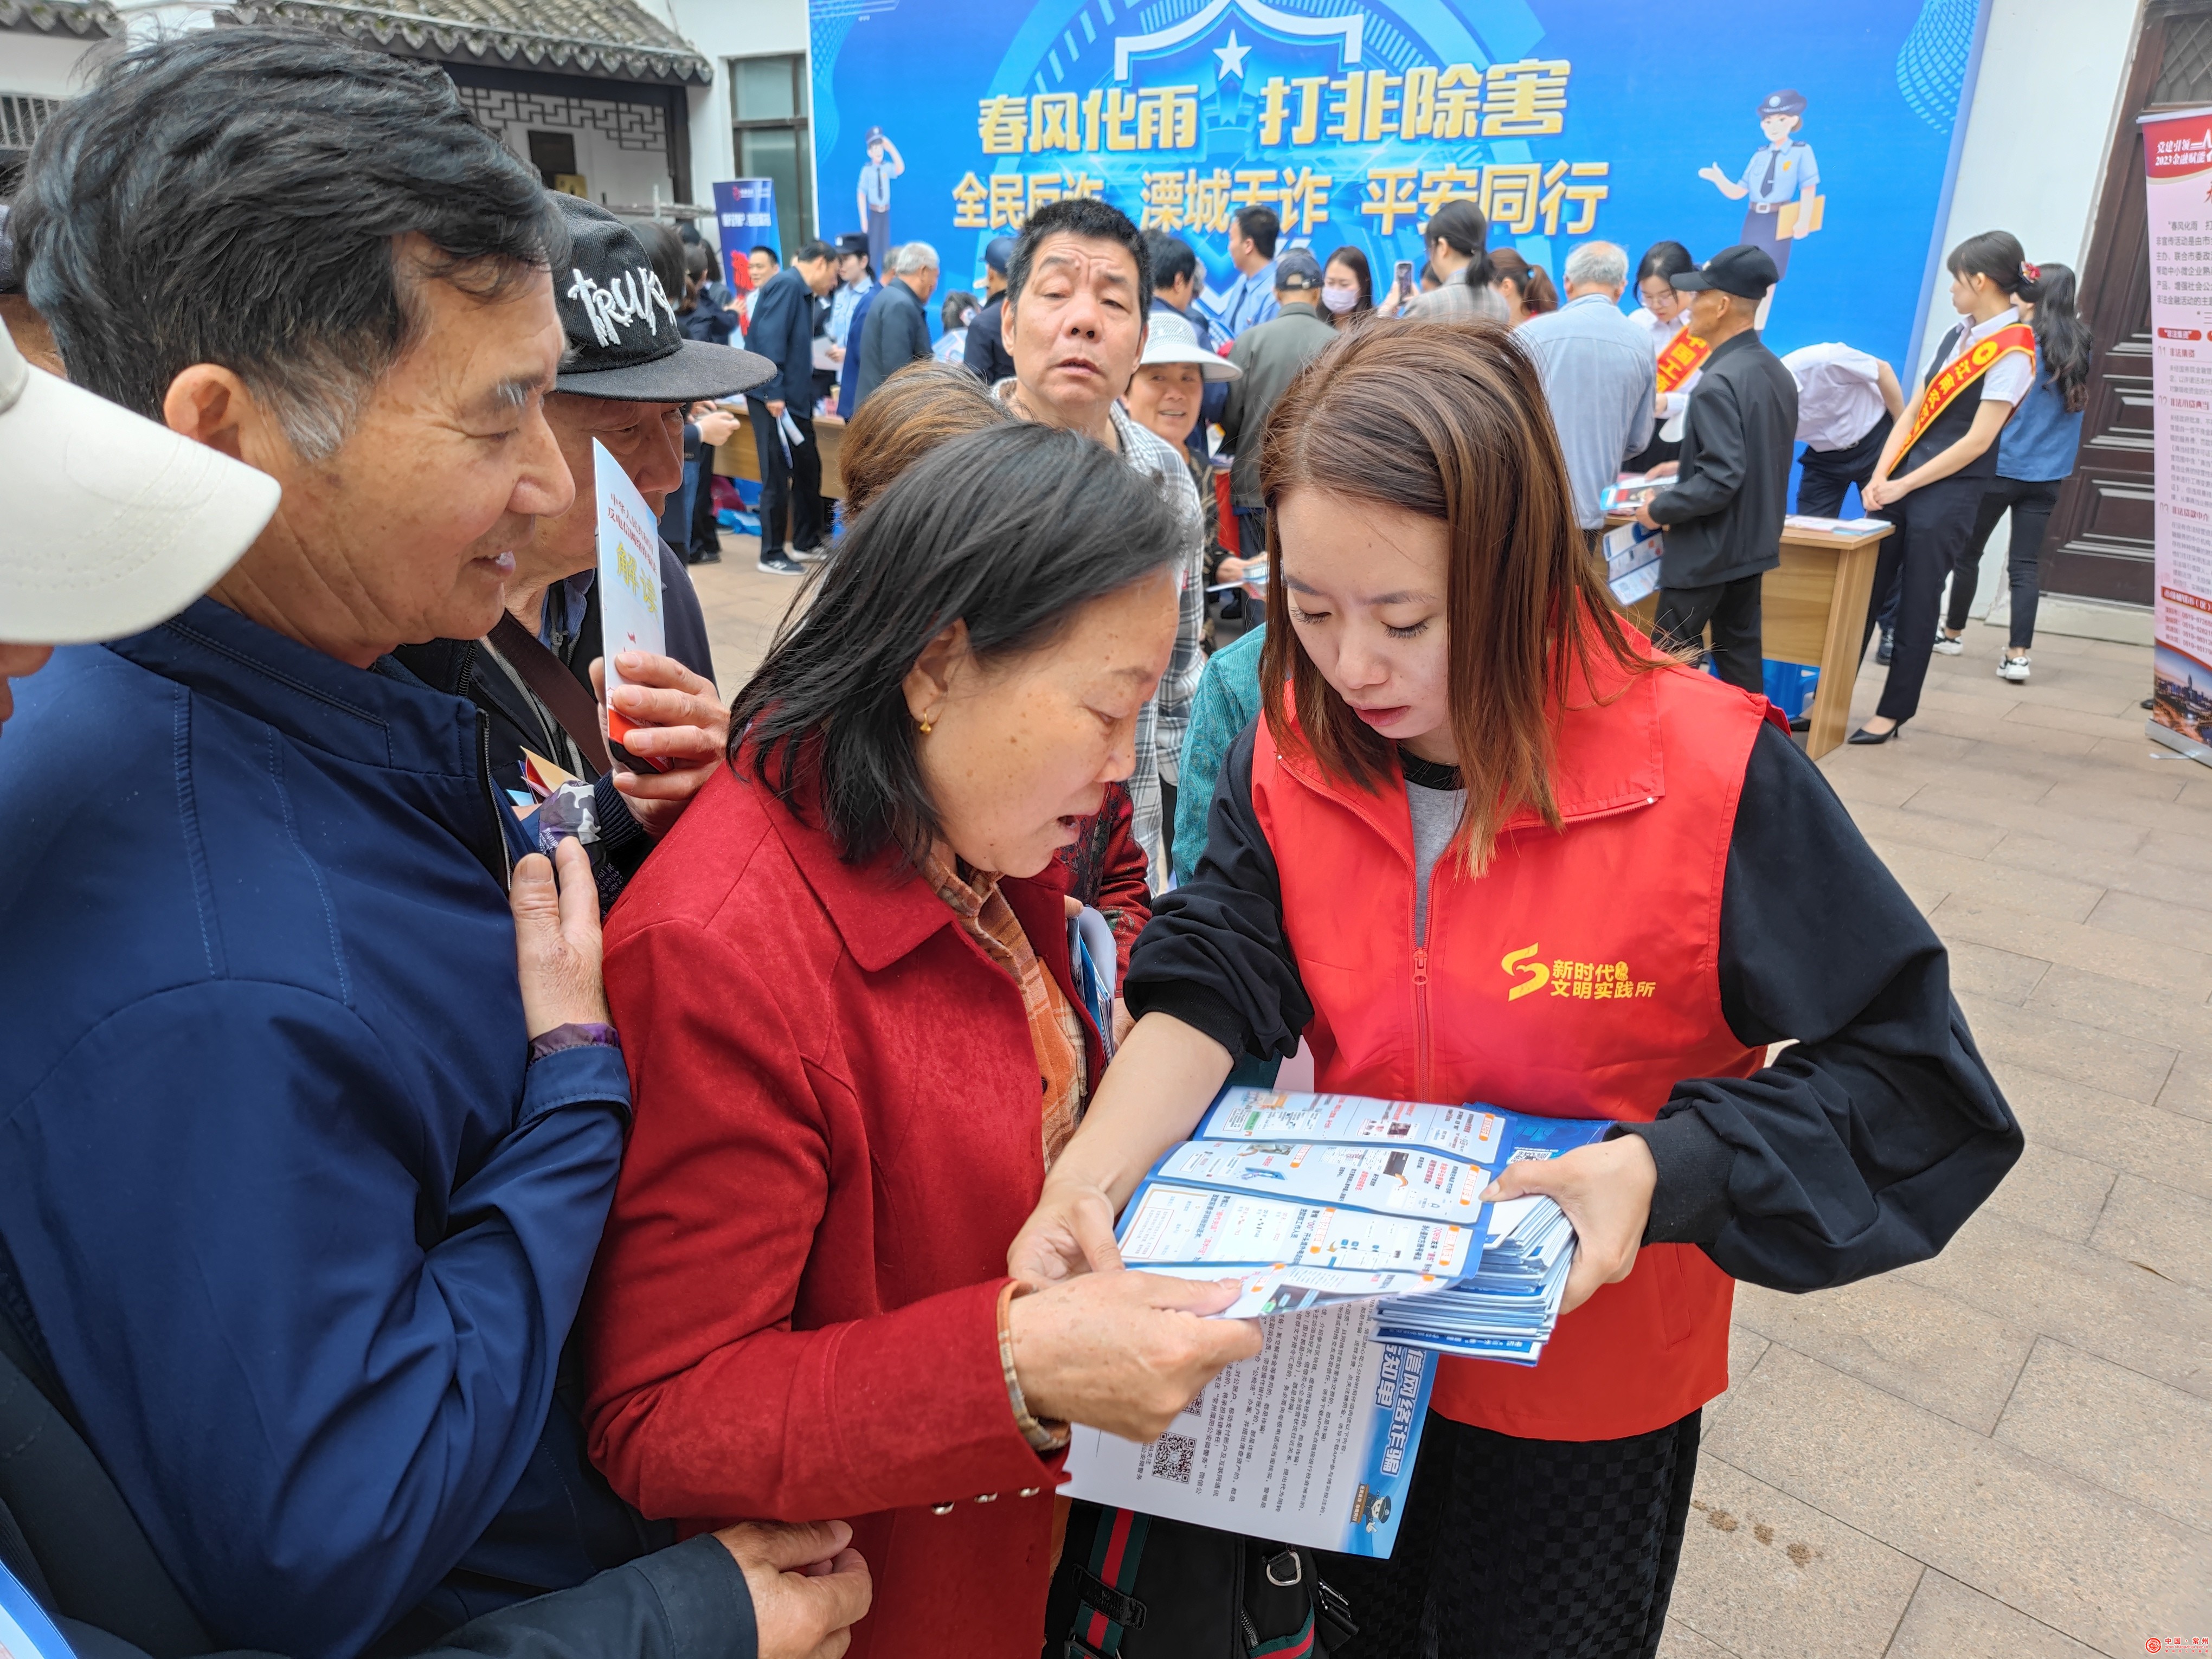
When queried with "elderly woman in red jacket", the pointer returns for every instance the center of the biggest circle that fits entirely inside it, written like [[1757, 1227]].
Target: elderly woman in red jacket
[[855, 1048]]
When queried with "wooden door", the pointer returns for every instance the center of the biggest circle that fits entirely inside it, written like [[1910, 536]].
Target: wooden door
[[2102, 532]]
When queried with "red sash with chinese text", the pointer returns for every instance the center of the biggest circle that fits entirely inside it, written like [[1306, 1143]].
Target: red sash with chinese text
[[1685, 355], [1961, 373]]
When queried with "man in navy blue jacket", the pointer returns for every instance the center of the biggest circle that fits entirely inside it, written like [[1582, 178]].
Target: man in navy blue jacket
[[299, 1180], [782, 330]]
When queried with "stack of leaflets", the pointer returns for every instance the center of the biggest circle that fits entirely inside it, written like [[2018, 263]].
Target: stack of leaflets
[[1632, 561], [1320, 1199], [1358, 1229], [1630, 491]]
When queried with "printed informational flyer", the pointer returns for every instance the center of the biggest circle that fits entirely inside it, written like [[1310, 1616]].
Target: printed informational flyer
[[629, 574], [1311, 1442]]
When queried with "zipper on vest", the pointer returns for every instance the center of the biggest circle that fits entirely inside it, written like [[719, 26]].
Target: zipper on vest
[[1421, 1022]]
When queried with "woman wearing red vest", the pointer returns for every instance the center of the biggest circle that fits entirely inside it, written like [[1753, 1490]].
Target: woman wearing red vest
[[1481, 844]]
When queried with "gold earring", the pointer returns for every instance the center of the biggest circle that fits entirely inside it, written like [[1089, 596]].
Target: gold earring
[[925, 727]]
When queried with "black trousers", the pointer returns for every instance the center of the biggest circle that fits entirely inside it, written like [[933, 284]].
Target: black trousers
[[1823, 475], [1933, 524], [706, 537], [2030, 501], [1528, 1549], [796, 488], [1732, 609]]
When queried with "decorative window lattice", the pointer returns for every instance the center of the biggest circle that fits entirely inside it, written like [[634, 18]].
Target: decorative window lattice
[[22, 116], [2185, 76], [628, 126]]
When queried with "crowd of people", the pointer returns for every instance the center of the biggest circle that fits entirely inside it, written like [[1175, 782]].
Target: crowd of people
[[469, 1186]]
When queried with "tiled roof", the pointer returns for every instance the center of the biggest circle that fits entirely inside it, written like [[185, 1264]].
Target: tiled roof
[[88, 18], [613, 39]]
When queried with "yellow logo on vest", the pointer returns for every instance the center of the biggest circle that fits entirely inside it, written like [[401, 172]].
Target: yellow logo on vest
[[1584, 982]]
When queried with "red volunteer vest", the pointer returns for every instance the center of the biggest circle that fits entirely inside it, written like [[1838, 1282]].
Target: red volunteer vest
[[1576, 978]]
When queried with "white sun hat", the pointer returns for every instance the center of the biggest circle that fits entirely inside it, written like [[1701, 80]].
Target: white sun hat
[[113, 523], [1173, 340]]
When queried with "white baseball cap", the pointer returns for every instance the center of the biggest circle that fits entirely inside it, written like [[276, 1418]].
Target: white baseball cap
[[113, 523], [1172, 339]]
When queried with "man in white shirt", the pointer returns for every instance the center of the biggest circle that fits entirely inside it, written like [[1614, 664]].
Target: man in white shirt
[[1847, 401]]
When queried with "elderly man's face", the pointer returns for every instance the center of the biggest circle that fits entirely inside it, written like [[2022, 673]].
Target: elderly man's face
[[412, 530], [1076, 334], [645, 439]]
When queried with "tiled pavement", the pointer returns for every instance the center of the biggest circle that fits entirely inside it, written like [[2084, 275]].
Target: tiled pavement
[[2007, 1451]]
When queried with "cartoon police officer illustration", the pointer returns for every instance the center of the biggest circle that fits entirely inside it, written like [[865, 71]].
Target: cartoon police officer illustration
[[884, 164], [1780, 176]]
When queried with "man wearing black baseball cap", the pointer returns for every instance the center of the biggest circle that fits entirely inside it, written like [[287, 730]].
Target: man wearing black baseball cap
[[1723, 516], [626, 374]]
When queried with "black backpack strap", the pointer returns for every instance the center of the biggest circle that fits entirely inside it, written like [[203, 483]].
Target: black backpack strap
[[93, 1557], [1106, 1609]]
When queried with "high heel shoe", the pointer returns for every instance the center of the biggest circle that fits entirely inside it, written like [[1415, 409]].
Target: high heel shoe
[[1864, 736]]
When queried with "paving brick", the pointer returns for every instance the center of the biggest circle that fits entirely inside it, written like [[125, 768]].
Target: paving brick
[[2118, 872], [1766, 1575], [2091, 829], [2115, 1428], [1999, 975], [2189, 1088], [1947, 1620], [2157, 1227], [2114, 1005], [2123, 1132], [1883, 825], [2033, 1040], [1679, 1641], [2087, 1562], [2074, 720], [2154, 918], [1745, 1347], [2054, 1192], [1903, 1337], [2168, 969], [2139, 811], [2082, 1296], [2179, 849]]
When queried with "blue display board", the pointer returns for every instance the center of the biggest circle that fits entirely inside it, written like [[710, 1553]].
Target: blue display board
[[744, 219], [1564, 118]]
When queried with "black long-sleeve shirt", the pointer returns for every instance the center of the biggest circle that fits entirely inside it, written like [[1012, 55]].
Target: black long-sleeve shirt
[[1863, 1147], [1723, 516]]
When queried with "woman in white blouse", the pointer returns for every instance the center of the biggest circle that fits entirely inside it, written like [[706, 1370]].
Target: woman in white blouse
[[1931, 477], [1664, 312]]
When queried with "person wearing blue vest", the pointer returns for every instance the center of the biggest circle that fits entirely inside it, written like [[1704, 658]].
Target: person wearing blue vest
[[2035, 456]]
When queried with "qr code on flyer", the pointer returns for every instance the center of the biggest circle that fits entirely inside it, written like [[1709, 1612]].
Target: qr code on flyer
[[1171, 1457]]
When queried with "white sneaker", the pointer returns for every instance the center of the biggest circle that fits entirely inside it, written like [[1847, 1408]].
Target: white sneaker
[[1949, 647], [2014, 669]]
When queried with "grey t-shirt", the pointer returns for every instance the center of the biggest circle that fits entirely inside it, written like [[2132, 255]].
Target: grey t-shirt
[[1435, 815]]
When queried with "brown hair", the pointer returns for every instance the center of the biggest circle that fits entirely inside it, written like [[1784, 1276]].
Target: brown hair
[[907, 416], [1447, 422], [1532, 282]]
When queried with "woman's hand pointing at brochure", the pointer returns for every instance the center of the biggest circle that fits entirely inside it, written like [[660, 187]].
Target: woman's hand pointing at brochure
[[1606, 1190]]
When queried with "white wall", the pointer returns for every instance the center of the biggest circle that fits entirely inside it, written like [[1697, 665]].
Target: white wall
[[2038, 133], [2038, 129], [45, 65], [721, 30]]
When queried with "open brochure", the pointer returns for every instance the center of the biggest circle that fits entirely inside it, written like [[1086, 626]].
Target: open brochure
[[1313, 1199], [1359, 1233], [1311, 1441]]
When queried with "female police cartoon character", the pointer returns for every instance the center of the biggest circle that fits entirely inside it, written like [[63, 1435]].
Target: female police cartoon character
[[1780, 175]]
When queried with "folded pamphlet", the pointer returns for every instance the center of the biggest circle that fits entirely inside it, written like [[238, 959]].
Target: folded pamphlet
[[1314, 1198], [1358, 1231], [1632, 561]]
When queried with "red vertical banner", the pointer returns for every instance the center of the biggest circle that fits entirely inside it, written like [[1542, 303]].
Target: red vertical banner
[[2177, 183]]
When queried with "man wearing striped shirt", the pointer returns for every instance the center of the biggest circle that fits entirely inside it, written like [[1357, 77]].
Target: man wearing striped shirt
[[1079, 290]]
